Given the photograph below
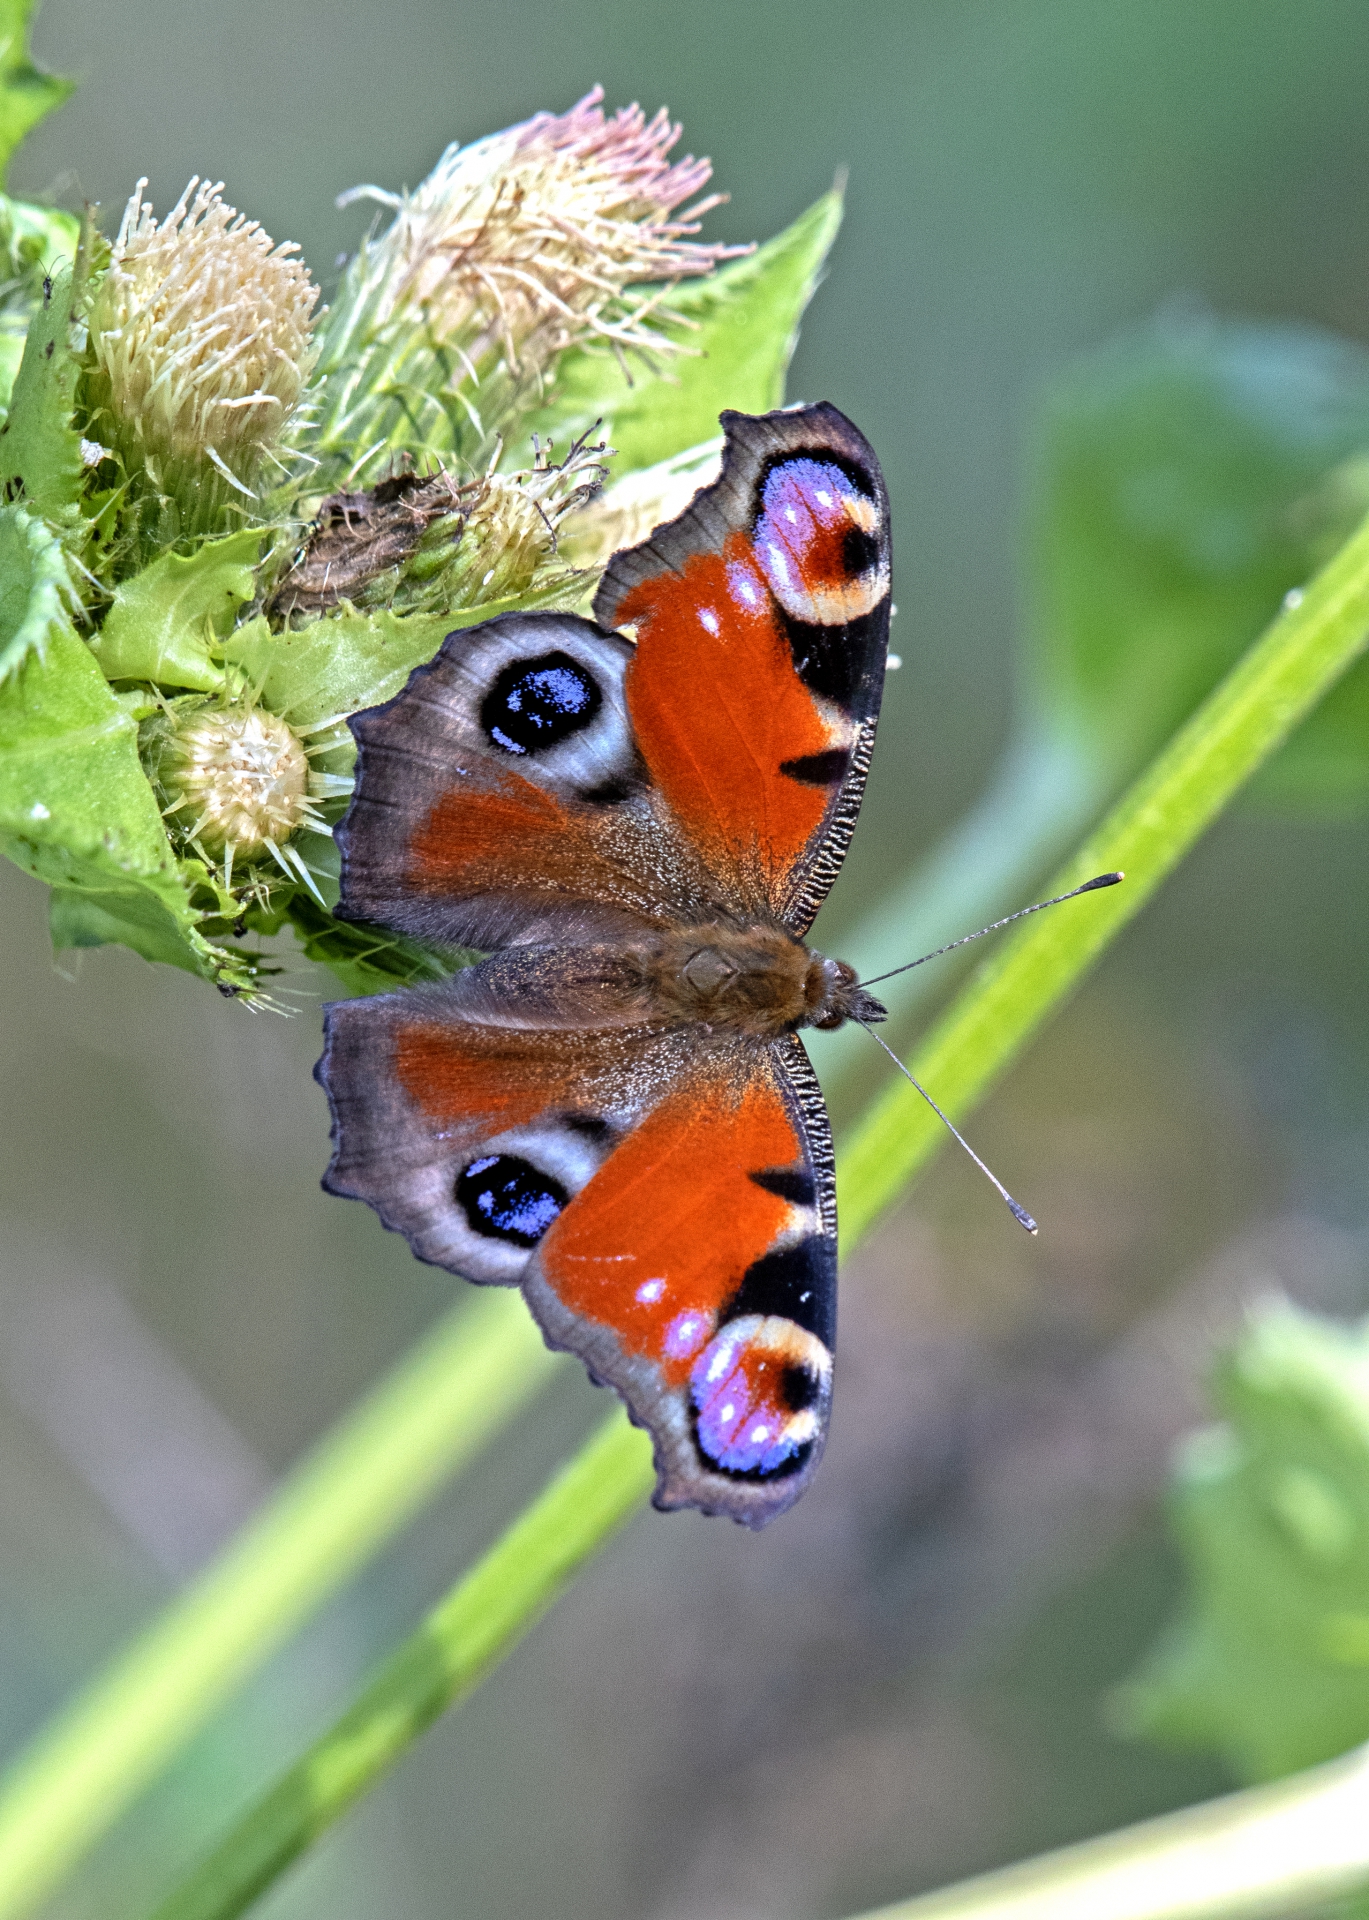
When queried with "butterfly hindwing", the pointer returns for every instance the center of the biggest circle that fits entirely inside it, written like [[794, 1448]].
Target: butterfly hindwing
[[696, 1273], [668, 1211]]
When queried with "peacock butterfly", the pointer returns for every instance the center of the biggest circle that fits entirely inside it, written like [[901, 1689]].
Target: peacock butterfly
[[614, 1110]]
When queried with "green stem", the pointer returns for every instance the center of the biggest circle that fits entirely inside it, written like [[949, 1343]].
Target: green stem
[[1275, 684], [1279, 680], [491, 1609], [1271, 1850], [1044, 794], [421, 1424]]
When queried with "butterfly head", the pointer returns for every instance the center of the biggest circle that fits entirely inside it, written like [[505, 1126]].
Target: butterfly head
[[836, 996]]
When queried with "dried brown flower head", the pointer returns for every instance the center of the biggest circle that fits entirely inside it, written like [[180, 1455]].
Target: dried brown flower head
[[433, 543]]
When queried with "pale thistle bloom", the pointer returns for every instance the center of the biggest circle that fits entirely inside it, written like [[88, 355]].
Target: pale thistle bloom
[[200, 339], [569, 227], [236, 782]]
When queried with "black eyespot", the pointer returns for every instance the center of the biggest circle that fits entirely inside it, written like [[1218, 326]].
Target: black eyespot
[[535, 704], [859, 551], [799, 1388], [506, 1198]]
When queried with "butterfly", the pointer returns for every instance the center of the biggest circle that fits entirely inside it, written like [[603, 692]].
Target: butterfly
[[636, 818]]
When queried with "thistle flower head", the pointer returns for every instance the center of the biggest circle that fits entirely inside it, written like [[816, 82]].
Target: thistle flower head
[[530, 237], [238, 776], [237, 782], [200, 341], [567, 227]]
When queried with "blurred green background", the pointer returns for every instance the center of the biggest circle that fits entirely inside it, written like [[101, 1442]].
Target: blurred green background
[[905, 1679]]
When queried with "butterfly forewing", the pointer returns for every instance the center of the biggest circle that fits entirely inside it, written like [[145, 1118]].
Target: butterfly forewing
[[762, 624]]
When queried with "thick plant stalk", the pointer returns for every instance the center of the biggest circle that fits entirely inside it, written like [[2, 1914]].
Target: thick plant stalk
[[1045, 793], [422, 1423], [1274, 1849], [1278, 681], [465, 1635]]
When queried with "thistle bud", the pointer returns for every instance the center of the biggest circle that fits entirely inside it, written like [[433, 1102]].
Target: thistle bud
[[235, 782], [200, 348]]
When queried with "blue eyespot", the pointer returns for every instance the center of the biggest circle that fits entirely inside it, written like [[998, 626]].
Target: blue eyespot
[[505, 1198], [535, 704]]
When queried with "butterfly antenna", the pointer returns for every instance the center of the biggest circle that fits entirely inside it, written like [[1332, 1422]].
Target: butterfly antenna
[[1089, 886], [1019, 1212]]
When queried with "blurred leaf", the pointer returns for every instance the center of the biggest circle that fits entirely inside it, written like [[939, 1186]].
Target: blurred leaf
[[35, 587], [165, 620], [27, 94], [1186, 482], [40, 449], [36, 237], [76, 810], [1270, 1664], [744, 325]]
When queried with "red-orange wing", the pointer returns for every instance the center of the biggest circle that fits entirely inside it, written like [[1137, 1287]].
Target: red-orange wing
[[500, 798], [762, 624], [543, 779], [667, 1209]]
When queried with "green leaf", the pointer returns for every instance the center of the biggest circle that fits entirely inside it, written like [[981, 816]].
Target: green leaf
[[1270, 1664], [40, 449], [1187, 482], [35, 588], [364, 959], [744, 327], [346, 661], [167, 620], [76, 810], [27, 94], [33, 240], [135, 917]]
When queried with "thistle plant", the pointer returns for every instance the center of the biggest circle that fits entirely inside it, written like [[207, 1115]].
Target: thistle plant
[[233, 515]]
